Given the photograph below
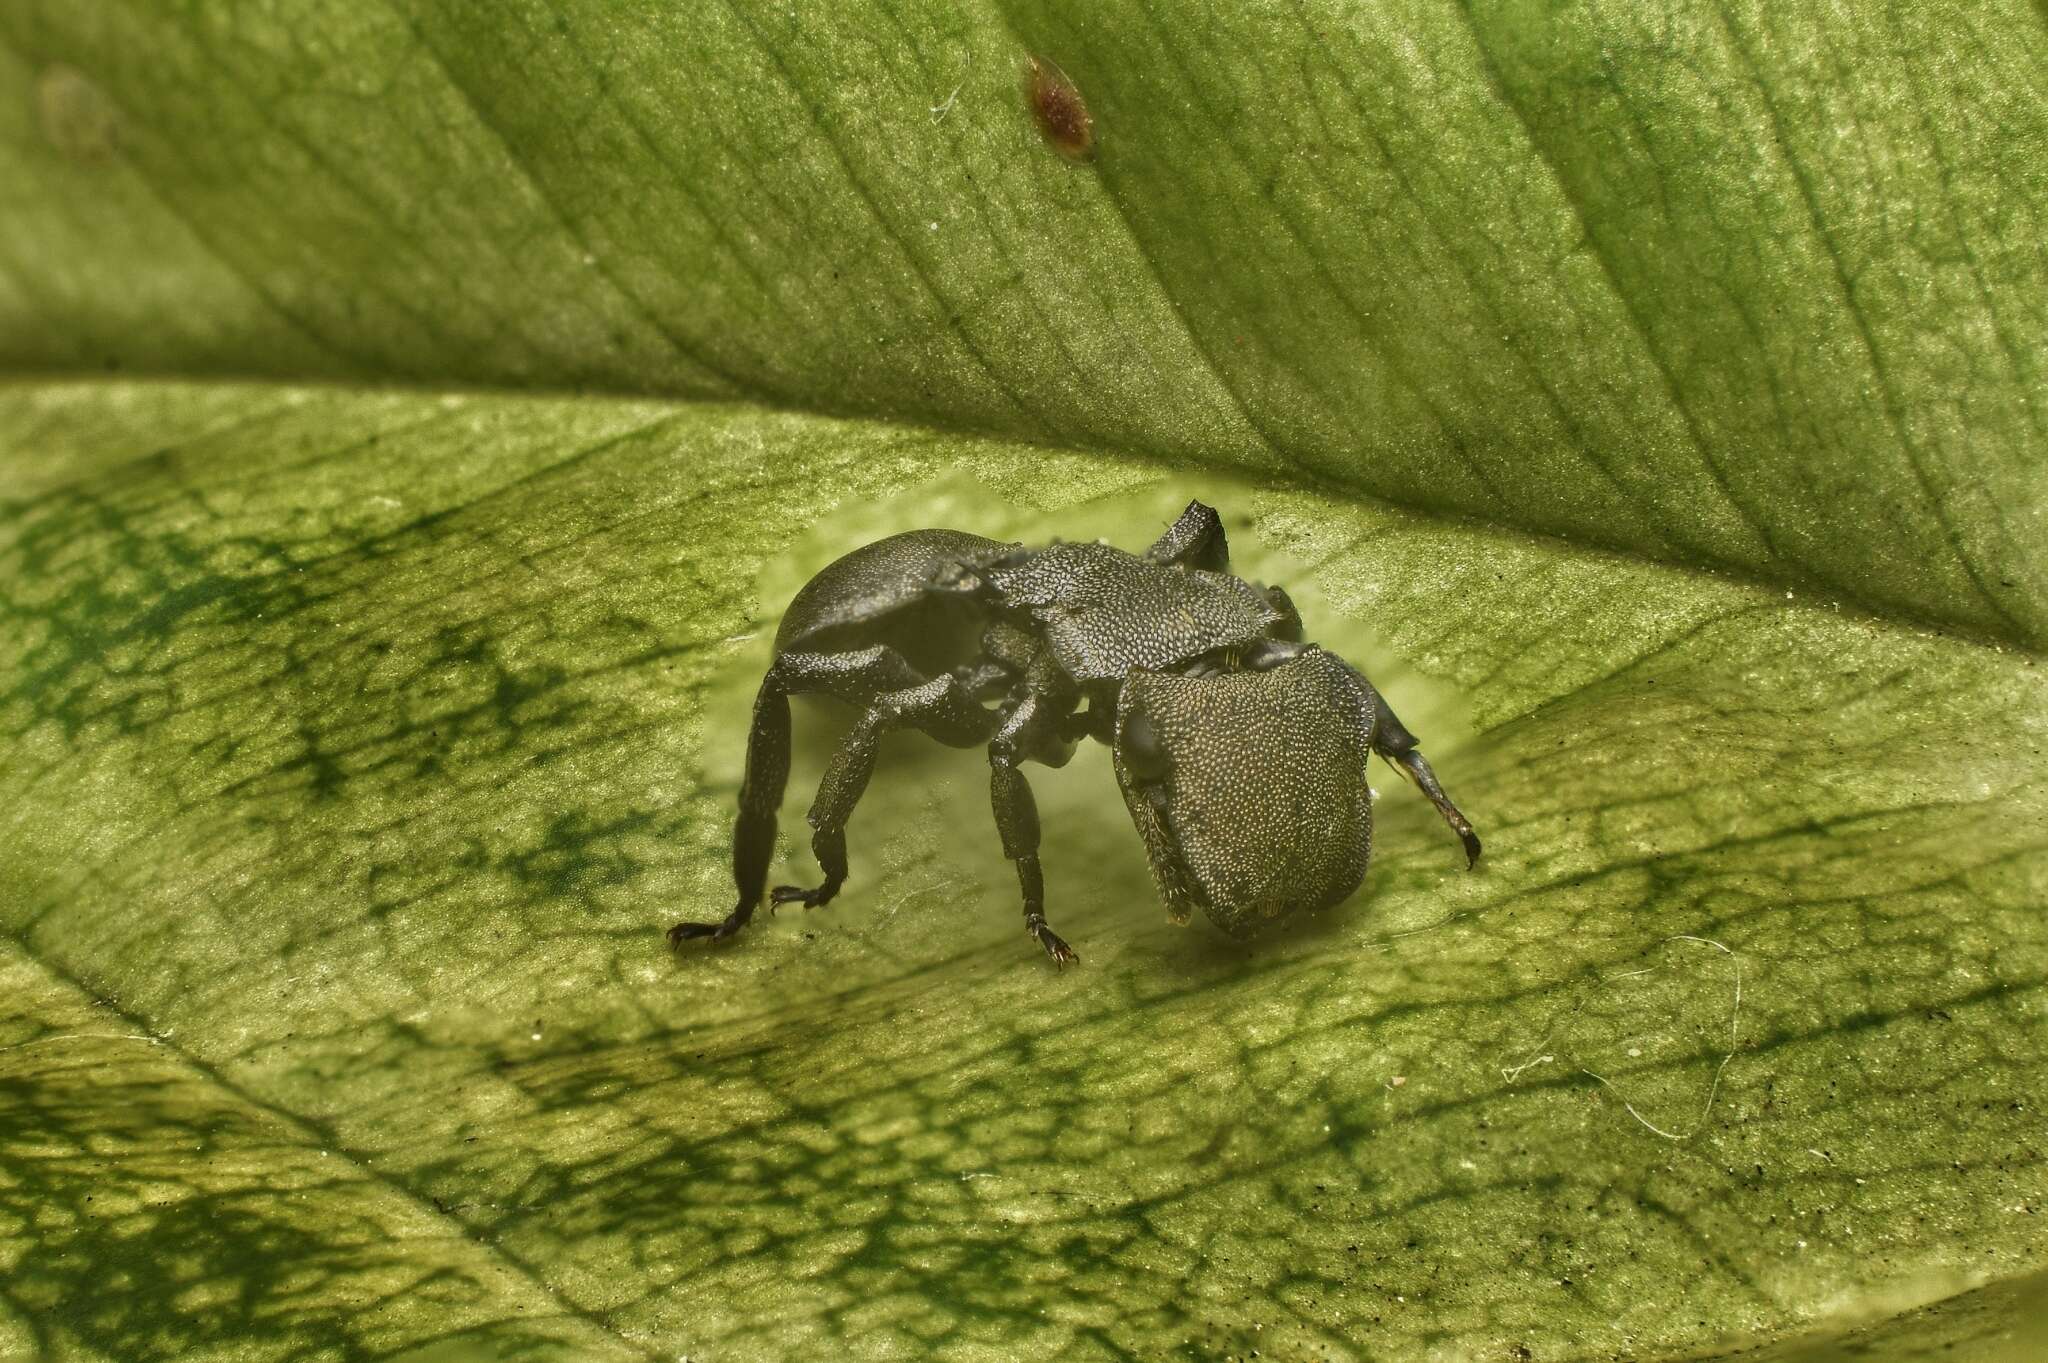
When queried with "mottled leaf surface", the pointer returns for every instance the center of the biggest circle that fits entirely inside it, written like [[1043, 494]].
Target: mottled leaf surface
[[1649, 401]]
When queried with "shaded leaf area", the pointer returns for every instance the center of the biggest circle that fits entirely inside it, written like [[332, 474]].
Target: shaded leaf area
[[1755, 286], [360, 747], [150, 1210]]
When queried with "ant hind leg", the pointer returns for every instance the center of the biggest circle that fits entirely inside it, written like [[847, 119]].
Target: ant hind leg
[[1391, 740], [753, 838], [941, 707]]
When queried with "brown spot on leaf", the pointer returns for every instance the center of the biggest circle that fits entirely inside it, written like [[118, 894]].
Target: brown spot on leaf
[[1062, 116], [76, 116]]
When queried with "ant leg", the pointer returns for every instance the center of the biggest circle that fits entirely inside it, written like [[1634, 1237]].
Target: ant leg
[[940, 707], [753, 837], [1391, 740], [1017, 820], [854, 676]]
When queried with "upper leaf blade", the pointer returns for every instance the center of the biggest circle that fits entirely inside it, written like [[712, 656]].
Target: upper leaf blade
[[1756, 288]]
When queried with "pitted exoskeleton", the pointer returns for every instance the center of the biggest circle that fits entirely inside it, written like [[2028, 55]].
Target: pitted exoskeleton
[[1240, 749]]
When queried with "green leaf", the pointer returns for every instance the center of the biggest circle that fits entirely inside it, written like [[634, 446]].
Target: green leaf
[[1649, 401]]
